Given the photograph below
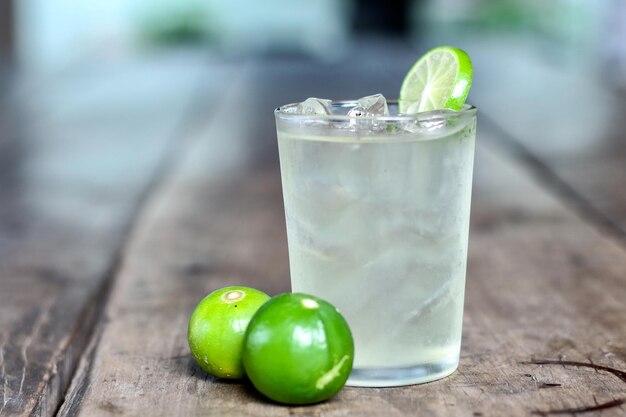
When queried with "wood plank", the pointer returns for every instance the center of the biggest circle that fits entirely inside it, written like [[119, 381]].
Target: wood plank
[[542, 284], [75, 162]]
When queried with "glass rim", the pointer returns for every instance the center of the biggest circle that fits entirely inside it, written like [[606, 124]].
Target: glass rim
[[468, 110]]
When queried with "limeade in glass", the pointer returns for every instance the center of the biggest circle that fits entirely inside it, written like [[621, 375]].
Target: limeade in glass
[[377, 212]]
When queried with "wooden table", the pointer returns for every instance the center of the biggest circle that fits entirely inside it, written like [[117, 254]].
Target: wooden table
[[129, 191]]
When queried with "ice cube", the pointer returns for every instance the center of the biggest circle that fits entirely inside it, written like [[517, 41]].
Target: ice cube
[[374, 105], [431, 123], [314, 105]]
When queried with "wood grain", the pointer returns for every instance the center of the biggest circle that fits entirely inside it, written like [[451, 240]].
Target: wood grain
[[75, 162], [543, 285]]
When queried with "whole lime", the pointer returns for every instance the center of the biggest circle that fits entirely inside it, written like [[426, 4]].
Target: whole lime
[[217, 328], [298, 349]]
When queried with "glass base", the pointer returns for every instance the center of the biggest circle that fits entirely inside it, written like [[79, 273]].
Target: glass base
[[396, 377]]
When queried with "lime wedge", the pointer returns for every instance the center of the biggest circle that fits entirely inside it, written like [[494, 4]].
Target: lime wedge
[[440, 79]]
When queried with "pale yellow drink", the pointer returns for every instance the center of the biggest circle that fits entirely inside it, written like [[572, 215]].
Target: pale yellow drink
[[377, 220]]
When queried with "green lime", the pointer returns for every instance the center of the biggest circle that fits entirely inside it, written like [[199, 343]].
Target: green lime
[[440, 79], [298, 349], [217, 328]]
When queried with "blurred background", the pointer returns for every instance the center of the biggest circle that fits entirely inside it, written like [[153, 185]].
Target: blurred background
[[61, 36], [92, 93], [528, 53]]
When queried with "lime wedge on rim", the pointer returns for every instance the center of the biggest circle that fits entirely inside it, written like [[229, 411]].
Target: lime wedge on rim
[[440, 79]]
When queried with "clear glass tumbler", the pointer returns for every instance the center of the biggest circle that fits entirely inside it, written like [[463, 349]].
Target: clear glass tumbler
[[377, 211]]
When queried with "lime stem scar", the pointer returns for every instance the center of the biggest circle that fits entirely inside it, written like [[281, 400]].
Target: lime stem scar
[[232, 296]]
